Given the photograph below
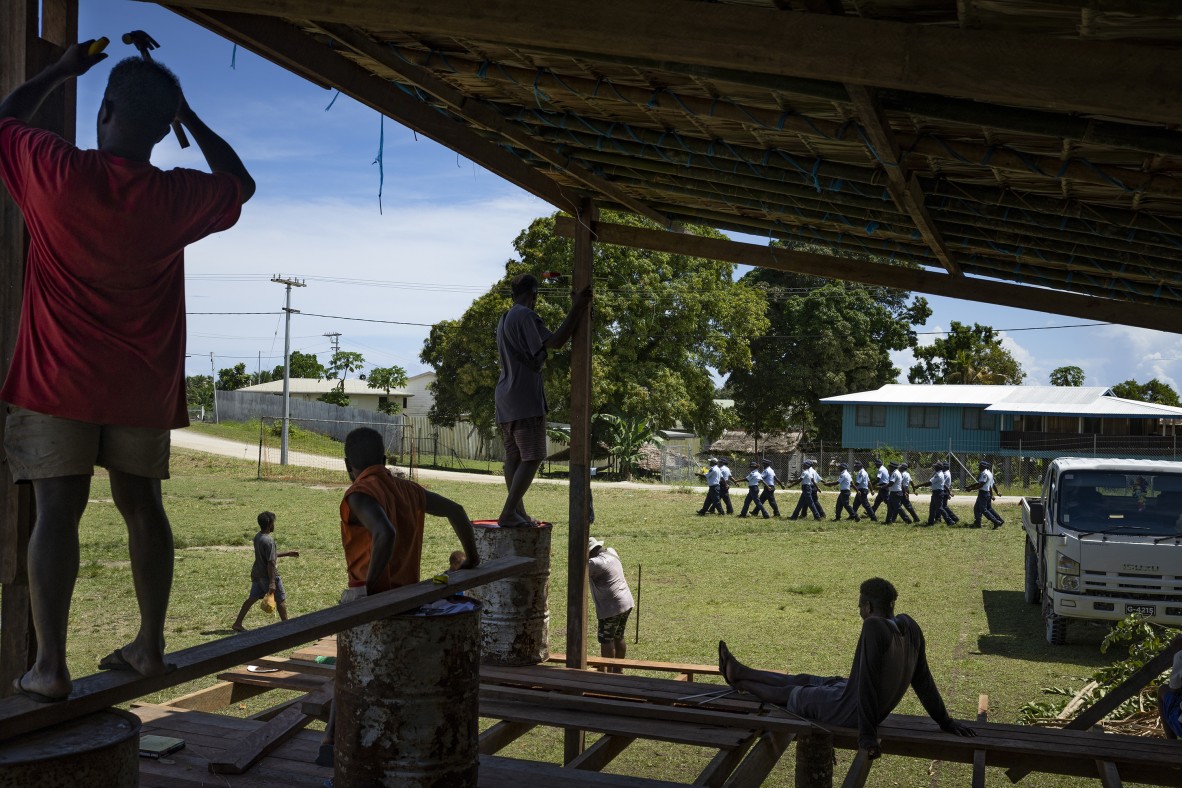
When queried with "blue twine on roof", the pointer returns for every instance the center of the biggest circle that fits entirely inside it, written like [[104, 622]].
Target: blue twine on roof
[[482, 70], [234, 58], [380, 157], [538, 93], [334, 101]]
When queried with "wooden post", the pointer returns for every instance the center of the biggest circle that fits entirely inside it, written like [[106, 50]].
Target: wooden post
[[22, 55], [580, 469], [814, 760]]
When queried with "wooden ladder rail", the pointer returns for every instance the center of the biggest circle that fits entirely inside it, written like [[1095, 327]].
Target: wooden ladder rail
[[979, 755], [20, 714]]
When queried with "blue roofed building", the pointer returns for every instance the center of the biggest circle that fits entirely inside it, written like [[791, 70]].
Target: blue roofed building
[[1026, 421]]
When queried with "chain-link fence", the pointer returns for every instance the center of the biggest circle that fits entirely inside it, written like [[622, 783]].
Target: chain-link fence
[[315, 448]]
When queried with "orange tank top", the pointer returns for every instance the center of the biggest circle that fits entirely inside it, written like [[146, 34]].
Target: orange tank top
[[404, 503]]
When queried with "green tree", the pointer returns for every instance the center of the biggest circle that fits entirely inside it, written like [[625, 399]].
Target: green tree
[[199, 391], [661, 322], [342, 363], [1152, 391], [966, 354], [1067, 376], [387, 378], [303, 365], [827, 337], [625, 438], [234, 378]]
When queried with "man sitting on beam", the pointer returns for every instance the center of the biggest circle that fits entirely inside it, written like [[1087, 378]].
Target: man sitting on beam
[[889, 657]]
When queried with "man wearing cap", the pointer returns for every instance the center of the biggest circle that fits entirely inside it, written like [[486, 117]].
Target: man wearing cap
[[895, 495], [950, 516], [769, 487], [984, 504], [844, 481], [754, 477], [862, 491], [522, 342], [936, 506], [613, 599], [907, 492], [808, 487], [724, 484], [883, 480], [713, 478]]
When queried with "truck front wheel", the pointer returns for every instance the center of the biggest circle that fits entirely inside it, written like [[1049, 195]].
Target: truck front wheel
[[1032, 594], [1056, 626]]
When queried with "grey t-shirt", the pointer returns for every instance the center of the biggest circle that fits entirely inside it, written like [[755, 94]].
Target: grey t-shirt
[[264, 553], [609, 589], [521, 338]]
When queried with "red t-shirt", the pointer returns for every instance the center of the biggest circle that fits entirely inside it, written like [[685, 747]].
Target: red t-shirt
[[102, 328]]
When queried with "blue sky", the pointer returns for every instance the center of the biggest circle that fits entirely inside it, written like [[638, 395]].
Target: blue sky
[[442, 239]]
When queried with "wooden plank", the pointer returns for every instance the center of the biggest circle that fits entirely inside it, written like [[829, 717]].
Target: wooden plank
[[271, 712], [601, 753], [287, 47], [689, 668], [1109, 776], [859, 771], [1122, 79], [261, 741], [280, 679], [915, 280], [721, 766], [218, 696], [307, 666], [484, 116], [580, 463], [616, 724], [760, 761], [501, 735], [91, 693], [510, 773], [979, 755], [318, 707]]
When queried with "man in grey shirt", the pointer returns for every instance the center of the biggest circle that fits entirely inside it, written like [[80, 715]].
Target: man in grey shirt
[[613, 599], [522, 342], [889, 657]]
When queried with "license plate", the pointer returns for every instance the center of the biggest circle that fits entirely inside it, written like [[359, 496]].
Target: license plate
[[1145, 610]]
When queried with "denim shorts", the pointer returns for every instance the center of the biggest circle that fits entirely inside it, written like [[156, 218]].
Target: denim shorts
[[258, 589]]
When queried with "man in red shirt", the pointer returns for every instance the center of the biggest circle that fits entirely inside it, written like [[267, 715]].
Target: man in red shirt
[[97, 376]]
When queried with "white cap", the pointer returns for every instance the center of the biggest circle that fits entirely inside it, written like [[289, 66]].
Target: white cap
[[592, 543]]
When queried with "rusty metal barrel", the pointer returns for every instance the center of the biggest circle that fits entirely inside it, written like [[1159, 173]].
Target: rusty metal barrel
[[515, 627], [100, 749], [407, 699]]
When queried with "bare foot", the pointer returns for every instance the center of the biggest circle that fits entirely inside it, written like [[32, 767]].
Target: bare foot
[[513, 520], [134, 658], [237, 627], [44, 689]]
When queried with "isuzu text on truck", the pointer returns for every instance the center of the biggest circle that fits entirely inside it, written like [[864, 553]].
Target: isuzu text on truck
[[1105, 540]]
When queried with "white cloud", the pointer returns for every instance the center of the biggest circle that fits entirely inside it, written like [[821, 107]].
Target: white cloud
[[1036, 374]]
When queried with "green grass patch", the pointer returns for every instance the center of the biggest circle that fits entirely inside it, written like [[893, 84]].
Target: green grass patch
[[782, 594]]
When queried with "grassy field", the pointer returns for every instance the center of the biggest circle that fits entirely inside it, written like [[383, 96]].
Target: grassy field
[[783, 594]]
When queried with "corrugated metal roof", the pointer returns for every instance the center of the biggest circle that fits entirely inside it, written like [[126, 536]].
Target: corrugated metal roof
[[1089, 401]]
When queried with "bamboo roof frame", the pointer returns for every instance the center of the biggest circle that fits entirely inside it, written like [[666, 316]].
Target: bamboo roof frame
[[1030, 144]]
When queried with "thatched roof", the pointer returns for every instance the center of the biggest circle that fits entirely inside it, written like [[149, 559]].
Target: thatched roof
[[1020, 153], [739, 442]]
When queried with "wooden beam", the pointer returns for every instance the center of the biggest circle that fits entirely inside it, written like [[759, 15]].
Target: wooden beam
[[286, 46], [1021, 297], [20, 714], [478, 113], [251, 749], [501, 735], [1109, 776], [1122, 79], [859, 771], [580, 463], [760, 761], [722, 765], [601, 753]]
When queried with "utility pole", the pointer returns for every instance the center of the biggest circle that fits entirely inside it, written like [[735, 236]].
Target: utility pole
[[335, 338], [289, 283], [214, 378]]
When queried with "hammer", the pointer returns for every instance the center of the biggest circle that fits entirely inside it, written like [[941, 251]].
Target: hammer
[[144, 42]]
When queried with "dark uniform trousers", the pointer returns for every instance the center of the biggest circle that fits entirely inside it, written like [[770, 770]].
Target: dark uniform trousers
[[946, 510], [843, 505], [769, 497], [724, 493], [713, 502], [753, 498], [895, 508], [862, 500], [882, 497], [910, 509], [984, 508]]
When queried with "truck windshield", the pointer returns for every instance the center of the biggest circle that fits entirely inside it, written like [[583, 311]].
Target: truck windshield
[[1121, 503]]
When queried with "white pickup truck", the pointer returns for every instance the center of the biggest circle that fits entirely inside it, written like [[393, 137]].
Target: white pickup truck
[[1104, 540]]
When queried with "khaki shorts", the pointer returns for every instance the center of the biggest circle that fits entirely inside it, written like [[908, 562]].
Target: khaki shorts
[[45, 447]]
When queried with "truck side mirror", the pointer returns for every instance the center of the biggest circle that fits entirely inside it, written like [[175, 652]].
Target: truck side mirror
[[1037, 512]]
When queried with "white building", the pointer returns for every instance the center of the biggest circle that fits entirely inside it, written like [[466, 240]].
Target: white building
[[360, 394]]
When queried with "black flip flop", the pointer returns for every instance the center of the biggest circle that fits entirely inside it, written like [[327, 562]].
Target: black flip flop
[[115, 661], [37, 696]]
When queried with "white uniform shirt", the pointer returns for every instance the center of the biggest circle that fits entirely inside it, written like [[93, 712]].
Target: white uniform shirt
[[938, 481], [985, 480], [808, 478], [896, 481], [863, 480], [843, 481], [884, 476], [906, 481], [947, 480], [712, 476], [754, 477], [769, 476], [724, 472]]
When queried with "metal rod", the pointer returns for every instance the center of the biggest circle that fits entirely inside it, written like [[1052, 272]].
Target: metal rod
[[639, 576]]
